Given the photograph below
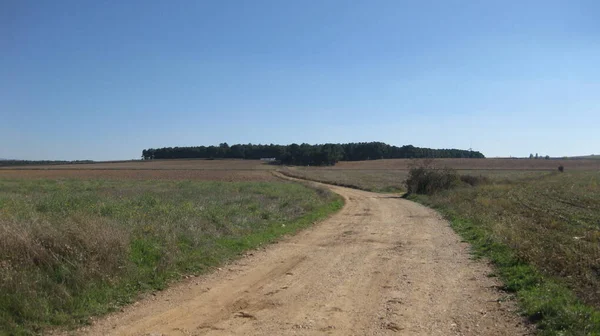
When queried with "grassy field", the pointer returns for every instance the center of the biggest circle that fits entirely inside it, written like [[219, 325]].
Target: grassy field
[[586, 157], [541, 228], [82, 240], [390, 180], [389, 175], [135, 174], [74, 248], [472, 164], [176, 164], [543, 234], [371, 180], [202, 170], [588, 163]]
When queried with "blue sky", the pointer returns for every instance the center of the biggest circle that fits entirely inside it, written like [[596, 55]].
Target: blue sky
[[105, 79]]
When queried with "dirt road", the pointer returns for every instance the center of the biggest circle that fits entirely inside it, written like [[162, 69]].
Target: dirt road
[[381, 266]]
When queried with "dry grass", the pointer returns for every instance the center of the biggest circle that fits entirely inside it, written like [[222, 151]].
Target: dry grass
[[134, 174], [201, 170], [549, 225], [553, 222], [391, 180], [540, 227], [178, 164], [389, 175], [74, 248], [375, 175], [472, 164], [371, 180], [88, 240]]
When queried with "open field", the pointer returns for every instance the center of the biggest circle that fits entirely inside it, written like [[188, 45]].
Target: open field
[[371, 180], [473, 164], [179, 164], [391, 180], [380, 266], [587, 157], [544, 236], [387, 164], [136, 174], [71, 248], [540, 227], [374, 175], [389, 175], [203, 170], [89, 237]]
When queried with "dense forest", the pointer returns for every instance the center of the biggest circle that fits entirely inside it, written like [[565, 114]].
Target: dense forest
[[305, 154]]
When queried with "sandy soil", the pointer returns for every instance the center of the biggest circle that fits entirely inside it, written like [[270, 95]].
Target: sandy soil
[[381, 266]]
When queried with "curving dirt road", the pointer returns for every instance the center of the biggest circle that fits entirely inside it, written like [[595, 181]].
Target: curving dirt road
[[381, 266]]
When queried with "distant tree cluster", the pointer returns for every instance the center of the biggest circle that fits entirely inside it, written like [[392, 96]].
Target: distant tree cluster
[[305, 154], [536, 156]]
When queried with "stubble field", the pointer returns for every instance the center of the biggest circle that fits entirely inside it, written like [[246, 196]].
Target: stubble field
[[194, 170], [543, 235], [389, 175]]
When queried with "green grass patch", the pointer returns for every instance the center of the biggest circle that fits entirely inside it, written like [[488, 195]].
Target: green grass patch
[[72, 249], [542, 235]]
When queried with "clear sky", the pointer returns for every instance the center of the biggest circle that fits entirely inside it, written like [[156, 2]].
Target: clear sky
[[105, 79]]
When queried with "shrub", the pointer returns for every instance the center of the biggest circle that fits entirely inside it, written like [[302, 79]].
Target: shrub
[[429, 181], [474, 180]]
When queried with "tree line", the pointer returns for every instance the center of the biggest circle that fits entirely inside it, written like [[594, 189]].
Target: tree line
[[531, 156], [305, 154]]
